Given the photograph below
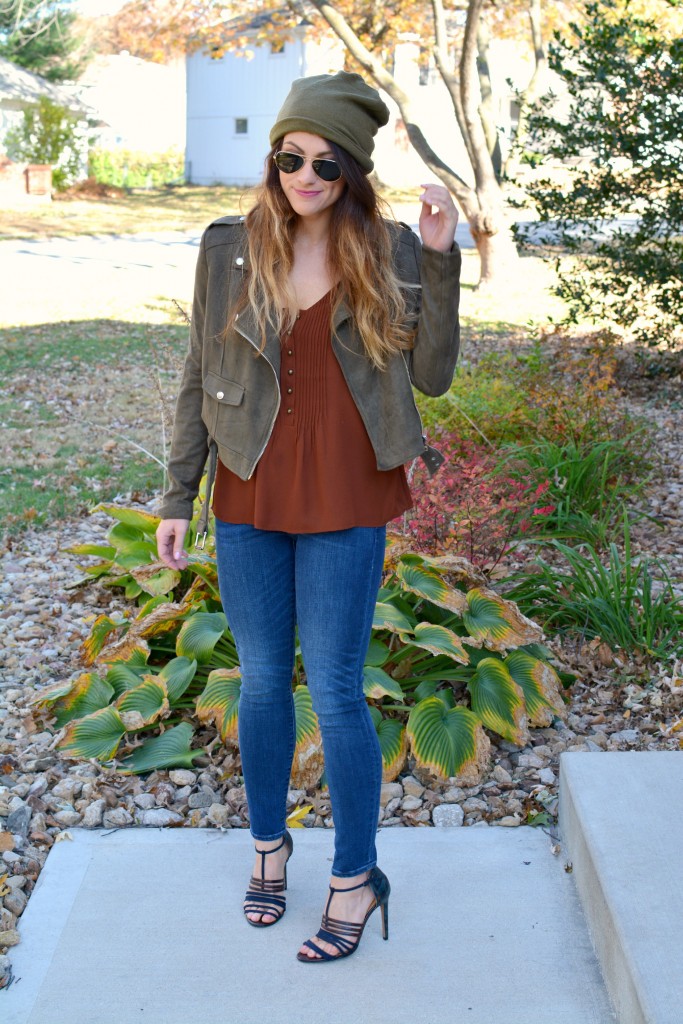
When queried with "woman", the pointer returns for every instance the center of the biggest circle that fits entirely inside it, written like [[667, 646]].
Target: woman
[[311, 317]]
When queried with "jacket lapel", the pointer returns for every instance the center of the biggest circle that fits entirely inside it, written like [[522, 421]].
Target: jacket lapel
[[246, 326]]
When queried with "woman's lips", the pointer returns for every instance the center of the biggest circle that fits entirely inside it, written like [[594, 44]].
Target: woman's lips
[[307, 195]]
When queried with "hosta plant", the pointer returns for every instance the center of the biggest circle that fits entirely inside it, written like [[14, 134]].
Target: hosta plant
[[449, 662]]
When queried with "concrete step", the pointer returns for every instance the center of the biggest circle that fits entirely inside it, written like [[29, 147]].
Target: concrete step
[[621, 819], [146, 925]]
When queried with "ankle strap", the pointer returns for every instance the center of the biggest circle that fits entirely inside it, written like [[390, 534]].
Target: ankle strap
[[274, 849], [352, 887]]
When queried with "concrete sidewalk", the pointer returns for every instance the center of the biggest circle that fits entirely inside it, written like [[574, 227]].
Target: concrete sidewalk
[[621, 815], [146, 925]]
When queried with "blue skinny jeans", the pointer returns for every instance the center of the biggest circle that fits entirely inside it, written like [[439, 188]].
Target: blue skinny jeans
[[326, 584]]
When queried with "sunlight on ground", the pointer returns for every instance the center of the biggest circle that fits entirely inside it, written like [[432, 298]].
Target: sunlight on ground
[[82, 279]]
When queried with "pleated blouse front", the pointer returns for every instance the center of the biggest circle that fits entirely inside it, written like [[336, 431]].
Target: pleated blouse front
[[318, 471]]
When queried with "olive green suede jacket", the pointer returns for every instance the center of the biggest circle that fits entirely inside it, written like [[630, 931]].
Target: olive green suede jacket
[[230, 392]]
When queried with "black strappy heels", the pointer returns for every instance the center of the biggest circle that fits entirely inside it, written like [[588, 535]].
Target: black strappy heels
[[263, 894], [345, 935]]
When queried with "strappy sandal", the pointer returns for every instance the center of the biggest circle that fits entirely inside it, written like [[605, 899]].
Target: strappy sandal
[[345, 935], [262, 896]]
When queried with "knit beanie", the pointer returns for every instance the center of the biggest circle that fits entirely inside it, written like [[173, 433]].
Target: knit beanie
[[341, 108]]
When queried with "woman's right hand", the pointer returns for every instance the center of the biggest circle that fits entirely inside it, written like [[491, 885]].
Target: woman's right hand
[[170, 539]]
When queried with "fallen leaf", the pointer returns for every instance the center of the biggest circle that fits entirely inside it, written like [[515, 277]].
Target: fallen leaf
[[6, 841]]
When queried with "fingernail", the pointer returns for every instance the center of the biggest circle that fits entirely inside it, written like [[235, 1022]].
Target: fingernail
[[176, 554]]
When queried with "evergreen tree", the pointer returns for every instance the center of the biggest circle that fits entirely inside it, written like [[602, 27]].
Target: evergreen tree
[[617, 208], [41, 36]]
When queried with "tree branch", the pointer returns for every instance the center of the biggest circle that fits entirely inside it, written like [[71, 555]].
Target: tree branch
[[386, 81]]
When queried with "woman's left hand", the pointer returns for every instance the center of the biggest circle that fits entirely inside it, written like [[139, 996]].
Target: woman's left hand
[[437, 227]]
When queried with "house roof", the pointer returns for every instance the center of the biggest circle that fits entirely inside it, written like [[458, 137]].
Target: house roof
[[21, 88]]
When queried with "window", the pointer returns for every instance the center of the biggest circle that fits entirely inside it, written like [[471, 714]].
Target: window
[[241, 126]]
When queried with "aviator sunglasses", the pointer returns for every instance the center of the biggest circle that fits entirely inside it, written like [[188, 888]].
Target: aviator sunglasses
[[288, 163]]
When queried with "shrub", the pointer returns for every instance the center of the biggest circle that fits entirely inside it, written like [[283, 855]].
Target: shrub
[[516, 397], [624, 75], [448, 658], [585, 484], [471, 508], [49, 134], [128, 169]]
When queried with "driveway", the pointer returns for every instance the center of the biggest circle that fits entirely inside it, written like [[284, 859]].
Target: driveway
[[128, 277]]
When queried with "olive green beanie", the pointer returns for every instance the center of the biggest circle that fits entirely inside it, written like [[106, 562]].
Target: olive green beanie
[[341, 108]]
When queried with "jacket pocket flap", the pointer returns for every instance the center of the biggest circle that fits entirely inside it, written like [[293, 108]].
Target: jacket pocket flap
[[227, 391]]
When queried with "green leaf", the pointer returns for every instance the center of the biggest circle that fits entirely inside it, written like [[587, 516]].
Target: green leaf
[[100, 550], [496, 622], [205, 568], [178, 673], [170, 750], [143, 521], [377, 684], [446, 696], [428, 584], [439, 640], [393, 742], [76, 698], [308, 763], [378, 653], [219, 700], [498, 701], [200, 634], [132, 590], [540, 685], [155, 579], [149, 606], [143, 704], [445, 741], [425, 688], [98, 569], [388, 616], [135, 554], [97, 735], [122, 535], [122, 677]]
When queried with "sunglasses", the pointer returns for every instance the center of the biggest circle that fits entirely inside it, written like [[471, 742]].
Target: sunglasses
[[288, 163]]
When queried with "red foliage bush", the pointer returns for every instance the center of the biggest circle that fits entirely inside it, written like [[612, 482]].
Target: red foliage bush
[[469, 508]]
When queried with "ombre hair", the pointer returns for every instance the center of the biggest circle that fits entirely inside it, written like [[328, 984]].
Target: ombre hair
[[359, 252]]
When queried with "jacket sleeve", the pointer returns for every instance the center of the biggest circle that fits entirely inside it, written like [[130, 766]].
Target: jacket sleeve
[[189, 444], [431, 363]]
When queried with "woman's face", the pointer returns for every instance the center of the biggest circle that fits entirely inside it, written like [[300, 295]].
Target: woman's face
[[308, 194]]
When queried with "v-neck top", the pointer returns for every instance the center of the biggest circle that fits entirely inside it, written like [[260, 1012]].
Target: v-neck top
[[318, 471]]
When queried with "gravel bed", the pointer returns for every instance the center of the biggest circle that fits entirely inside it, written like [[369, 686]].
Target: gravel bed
[[44, 619]]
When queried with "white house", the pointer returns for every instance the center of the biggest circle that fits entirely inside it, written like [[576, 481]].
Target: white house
[[21, 89], [233, 100], [141, 105]]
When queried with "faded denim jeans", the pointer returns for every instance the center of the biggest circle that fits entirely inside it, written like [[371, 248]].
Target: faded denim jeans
[[326, 584]]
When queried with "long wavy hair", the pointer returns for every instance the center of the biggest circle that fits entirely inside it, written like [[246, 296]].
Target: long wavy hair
[[359, 253]]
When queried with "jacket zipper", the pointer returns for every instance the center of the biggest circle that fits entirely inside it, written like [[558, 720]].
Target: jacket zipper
[[279, 397]]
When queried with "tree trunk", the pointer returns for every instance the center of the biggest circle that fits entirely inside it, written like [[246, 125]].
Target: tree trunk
[[486, 111], [532, 90]]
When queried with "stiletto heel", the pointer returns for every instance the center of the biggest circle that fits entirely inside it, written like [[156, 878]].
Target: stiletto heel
[[262, 896], [385, 919], [345, 935]]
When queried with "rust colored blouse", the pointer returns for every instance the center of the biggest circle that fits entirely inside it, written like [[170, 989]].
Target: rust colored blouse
[[318, 471]]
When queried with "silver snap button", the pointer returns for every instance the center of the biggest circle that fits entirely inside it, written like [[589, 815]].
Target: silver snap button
[[219, 395], [239, 261]]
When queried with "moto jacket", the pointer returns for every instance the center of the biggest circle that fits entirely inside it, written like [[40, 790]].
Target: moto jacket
[[230, 392]]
